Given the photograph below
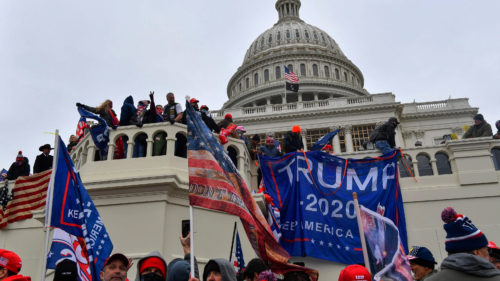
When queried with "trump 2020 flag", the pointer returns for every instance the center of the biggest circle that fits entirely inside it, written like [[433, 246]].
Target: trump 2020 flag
[[324, 140], [99, 133], [215, 183], [73, 211], [386, 253], [67, 246]]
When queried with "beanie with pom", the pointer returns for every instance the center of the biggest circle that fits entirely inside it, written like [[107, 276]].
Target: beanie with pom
[[461, 234]]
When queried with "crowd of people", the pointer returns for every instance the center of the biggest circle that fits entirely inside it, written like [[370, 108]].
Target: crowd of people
[[470, 257]]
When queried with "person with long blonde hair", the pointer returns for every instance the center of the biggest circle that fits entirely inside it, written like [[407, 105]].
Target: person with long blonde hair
[[105, 111]]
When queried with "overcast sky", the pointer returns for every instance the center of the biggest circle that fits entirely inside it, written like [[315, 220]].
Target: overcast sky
[[56, 53]]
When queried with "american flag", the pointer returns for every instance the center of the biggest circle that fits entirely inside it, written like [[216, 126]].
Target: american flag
[[215, 183], [29, 195], [237, 254], [290, 76]]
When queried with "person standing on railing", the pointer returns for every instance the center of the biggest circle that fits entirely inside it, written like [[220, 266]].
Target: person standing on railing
[[43, 161], [207, 118], [19, 168], [384, 136], [172, 112], [293, 140], [497, 135], [480, 128]]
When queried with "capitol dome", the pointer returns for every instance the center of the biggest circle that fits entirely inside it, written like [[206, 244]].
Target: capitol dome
[[323, 69]]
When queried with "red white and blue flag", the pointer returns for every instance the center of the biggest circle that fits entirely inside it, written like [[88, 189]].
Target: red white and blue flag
[[237, 254], [67, 246], [73, 211], [385, 250], [290, 76], [215, 183]]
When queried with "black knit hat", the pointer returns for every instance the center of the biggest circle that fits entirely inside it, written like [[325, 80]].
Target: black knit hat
[[66, 271], [479, 117]]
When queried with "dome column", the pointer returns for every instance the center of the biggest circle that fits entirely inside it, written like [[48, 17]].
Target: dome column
[[336, 142], [304, 139], [299, 97]]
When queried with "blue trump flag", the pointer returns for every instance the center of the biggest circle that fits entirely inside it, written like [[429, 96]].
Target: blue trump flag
[[99, 133], [324, 140], [73, 211], [313, 192]]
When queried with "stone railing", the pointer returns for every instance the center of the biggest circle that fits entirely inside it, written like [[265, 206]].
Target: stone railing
[[305, 106], [470, 162], [449, 104], [172, 163]]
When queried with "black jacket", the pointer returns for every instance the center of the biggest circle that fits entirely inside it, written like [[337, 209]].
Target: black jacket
[[293, 142], [16, 171], [210, 122], [385, 132], [42, 163]]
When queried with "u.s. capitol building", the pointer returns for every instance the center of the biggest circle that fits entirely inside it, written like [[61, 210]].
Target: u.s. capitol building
[[143, 200]]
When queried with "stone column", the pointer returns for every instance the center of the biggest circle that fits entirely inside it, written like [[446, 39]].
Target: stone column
[[415, 168], [130, 148], [303, 133], [170, 146], [315, 96], [434, 167], [283, 99], [268, 101], [299, 97], [348, 138], [149, 147], [111, 151], [91, 152], [336, 141]]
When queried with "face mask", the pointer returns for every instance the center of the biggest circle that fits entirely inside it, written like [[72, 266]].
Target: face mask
[[151, 277]]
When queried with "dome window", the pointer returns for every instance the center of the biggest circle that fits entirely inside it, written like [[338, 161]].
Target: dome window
[[327, 72], [302, 69], [345, 76], [256, 79], [262, 42], [270, 38], [323, 38], [288, 34], [307, 34], [315, 35], [337, 74], [255, 48], [278, 72], [315, 70], [290, 67], [297, 34], [278, 36], [247, 83], [266, 75], [240, 86]]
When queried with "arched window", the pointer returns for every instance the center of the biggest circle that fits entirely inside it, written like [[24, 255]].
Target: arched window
[[297, 34], [302, 69], [443, 163], [278, 36], [307, 34], [278, 72], [315, 35], [255, 47], [315, 70], [180, 145], [240, 86], [262, 42], [345, 76], [337, 74], [496, 157], [140, 146], [327, 71], [424, 165], [266, 75], [404, 165], [233, 154], [288, 34], [323, 38], [270, 38], [160, 144], [256, 79], [290, 67], [247, 82]]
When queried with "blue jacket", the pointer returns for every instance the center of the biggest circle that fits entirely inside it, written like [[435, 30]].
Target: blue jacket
[[128, 114]]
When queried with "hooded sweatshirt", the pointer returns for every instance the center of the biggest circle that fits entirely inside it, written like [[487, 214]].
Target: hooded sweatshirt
[[128, 114], [466, 267], [152, 254], [226, 269], [158, 255]]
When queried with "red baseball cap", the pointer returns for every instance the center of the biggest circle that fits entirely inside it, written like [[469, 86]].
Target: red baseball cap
[[355, 272], [492, 245], [228, 116], [10, 260], [193, 100]]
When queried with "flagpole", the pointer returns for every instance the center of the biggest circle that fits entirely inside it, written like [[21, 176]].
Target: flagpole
[[361, 231], [48, 204], [191, 242], [232, 242], [285, 83]]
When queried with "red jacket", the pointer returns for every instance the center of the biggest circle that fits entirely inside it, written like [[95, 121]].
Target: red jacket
[[17, 278]]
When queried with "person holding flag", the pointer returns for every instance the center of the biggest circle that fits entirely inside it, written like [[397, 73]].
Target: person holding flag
[[78, 225]]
